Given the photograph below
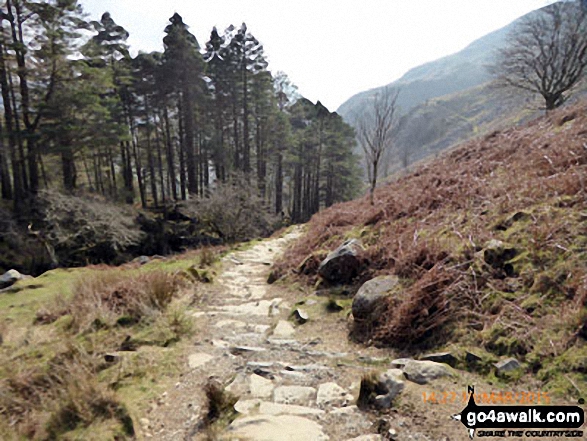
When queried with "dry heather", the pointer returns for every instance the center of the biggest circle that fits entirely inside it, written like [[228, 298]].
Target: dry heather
[[67, 385], [525, 187]]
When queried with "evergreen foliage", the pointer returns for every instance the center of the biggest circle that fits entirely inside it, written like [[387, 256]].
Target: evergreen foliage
[[82, 115]]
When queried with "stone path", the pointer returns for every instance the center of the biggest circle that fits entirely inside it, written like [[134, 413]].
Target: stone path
[[282, 395], [294, 382]]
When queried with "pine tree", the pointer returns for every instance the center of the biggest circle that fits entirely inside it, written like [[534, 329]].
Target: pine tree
[[183, 67]]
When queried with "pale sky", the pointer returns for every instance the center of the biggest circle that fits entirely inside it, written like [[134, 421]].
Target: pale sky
[[331, 49]]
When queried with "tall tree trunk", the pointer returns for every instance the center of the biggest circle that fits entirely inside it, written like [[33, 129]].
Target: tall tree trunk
[[170, 155], [112, 172], [8, 116], [182, 174], [160, 158], [261, 160], [139, 171], [127, 175], [297, 194], [373, 181], [246, 140], [68, 166], [316, 189], [237, 161], [279, 184], [20, 156], [22, 72], [4, 171], [189, 142], [88, 174], [150, 157]]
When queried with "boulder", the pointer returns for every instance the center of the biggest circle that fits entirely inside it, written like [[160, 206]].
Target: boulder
[[390, 384], [276, 428], [343, 264], [423, 372], [142, 260], [198, 359], [370, 437], [331, 394], [9, 278], [283, 329], [472, 359], [370, 294], [300, 316], [400, 362], [497, 254], [442, 357], [260, 387], [300, 395], [507, 365]]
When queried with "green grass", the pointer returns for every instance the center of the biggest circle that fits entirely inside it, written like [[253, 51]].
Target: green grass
[[30, 350]]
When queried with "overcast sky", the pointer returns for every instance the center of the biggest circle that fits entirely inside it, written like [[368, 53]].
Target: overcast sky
[[331, 49]]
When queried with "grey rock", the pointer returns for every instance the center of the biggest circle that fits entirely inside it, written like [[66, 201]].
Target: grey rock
[[370, 437], [331, 394], [306, 367], [9, 278], [287, 409], [442, 357], [300, 316], [239, 386], [370, 294], [300, 395], [276, 428], [142, 260], [260, 364], [392, 384], [497, 253], [198, 359], [283, 329], [260, 387], [343, 264], [507, 365], [472, 359], [423, 372], [241, 350], [400, 362], [347, 410], [245, 407], [112, 358]]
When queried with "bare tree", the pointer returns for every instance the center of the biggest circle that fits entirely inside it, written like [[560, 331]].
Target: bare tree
[[376, 131], [547, 53]]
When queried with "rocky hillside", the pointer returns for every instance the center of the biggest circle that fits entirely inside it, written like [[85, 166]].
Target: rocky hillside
[[451, 100], [450, 74], [485, 247]]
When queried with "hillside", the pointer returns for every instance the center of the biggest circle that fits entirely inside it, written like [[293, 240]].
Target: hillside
[[489, 242], [447, 75], [450, 100]]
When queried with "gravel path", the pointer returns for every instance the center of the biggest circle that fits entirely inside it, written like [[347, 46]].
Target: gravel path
[[294, 381]]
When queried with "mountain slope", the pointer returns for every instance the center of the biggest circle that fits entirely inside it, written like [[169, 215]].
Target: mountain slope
[[450, 100], [489, 242], [447, 75]]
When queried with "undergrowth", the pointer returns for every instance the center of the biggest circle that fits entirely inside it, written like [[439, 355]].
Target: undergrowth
[[489, 242], [69, 374]]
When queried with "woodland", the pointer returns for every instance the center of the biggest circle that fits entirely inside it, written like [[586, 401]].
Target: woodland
[[159, 131]]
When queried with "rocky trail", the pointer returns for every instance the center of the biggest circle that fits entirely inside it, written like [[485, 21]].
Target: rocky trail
[[294, 381]]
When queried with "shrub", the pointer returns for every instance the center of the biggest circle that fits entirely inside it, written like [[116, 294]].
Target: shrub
[[47, 402], [420, 318], [234, 212], [109, 297], [84, 230], [81, 401]]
